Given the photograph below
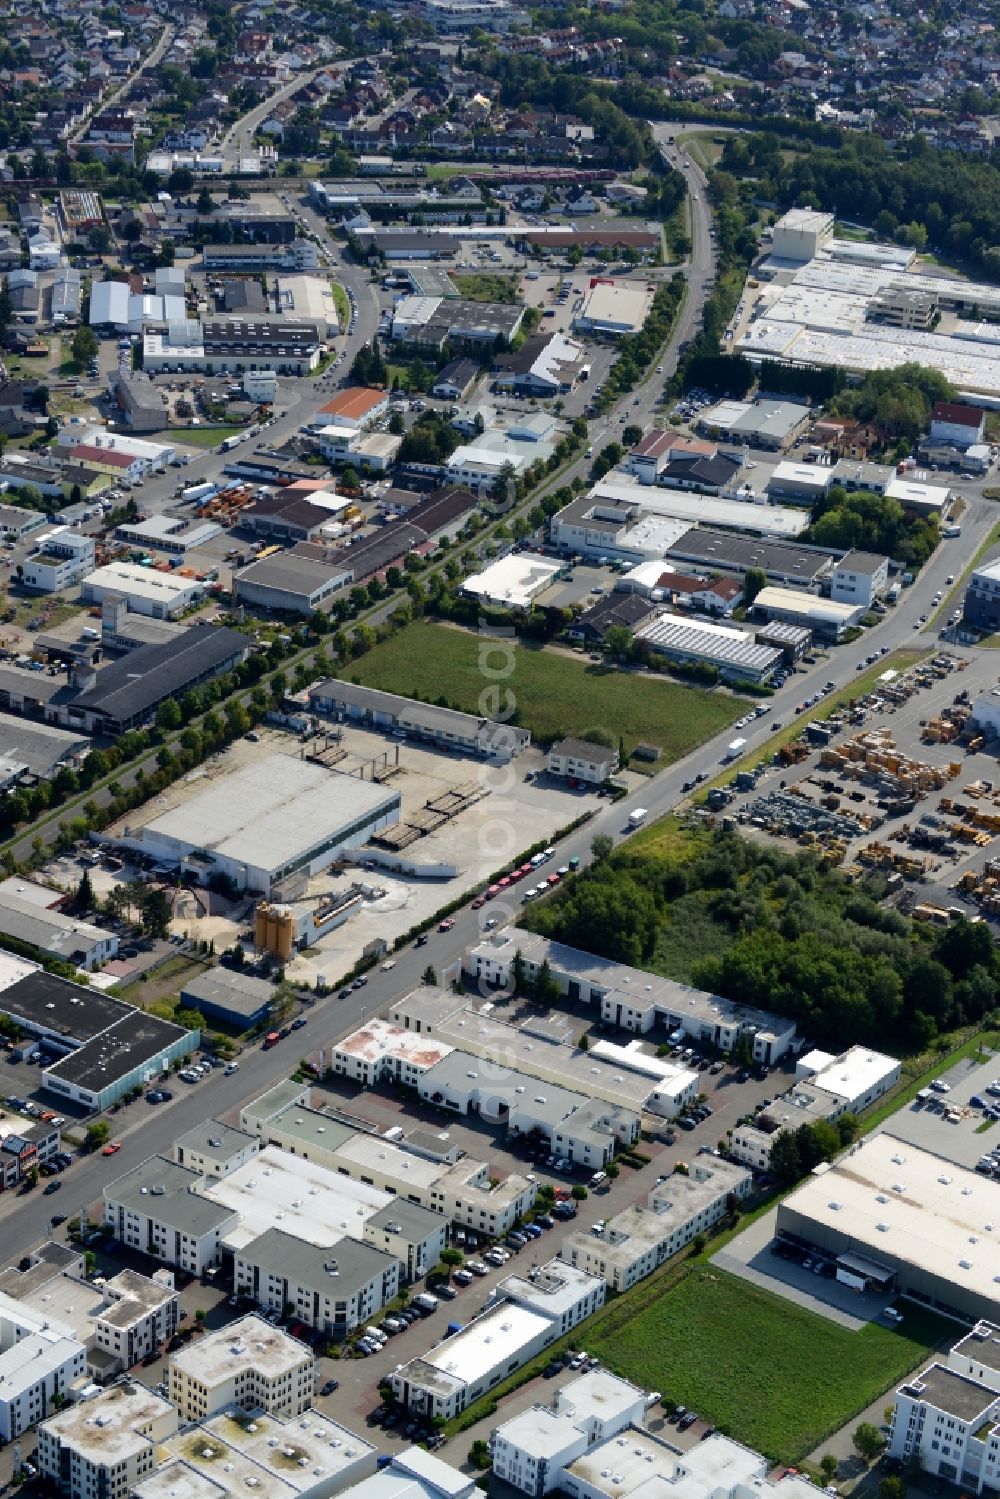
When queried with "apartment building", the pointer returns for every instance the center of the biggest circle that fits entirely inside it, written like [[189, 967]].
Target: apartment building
[[249, 1364], [157, 1209], [102, 1448], [643, 1236], [40, 1360], [580, 760], [333, 1288], [141, 1314]]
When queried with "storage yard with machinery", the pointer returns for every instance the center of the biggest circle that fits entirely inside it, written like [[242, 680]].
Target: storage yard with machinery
[[893, 783], [434, 821]]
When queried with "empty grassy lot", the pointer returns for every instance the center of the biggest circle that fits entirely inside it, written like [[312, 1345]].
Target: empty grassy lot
[[555, 694], [767, 1372]]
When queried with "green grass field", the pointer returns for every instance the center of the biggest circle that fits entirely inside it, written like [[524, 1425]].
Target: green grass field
[[202, 437], [555, 694], [485, 286], [765, 1371]]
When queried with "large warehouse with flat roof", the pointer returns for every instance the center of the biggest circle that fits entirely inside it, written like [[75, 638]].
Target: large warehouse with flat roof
[[269, 820], [897, 1218], [98, 1048]]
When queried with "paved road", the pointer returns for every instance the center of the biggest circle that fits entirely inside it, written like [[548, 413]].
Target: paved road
[[238, 139]]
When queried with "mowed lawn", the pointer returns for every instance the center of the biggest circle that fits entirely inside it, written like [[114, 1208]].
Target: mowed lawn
[[555, 694], [765, 1371]]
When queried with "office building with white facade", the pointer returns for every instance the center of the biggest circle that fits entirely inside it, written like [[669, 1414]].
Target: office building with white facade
[[249, 1364], [103, 1448], [40, 1360], [334, 1289], [859, 578], [526, 1317], [642, 1237], [531, 1450], [947, 1417], [630, 997]]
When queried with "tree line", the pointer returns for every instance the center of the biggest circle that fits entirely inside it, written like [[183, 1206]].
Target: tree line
[[783, 933]]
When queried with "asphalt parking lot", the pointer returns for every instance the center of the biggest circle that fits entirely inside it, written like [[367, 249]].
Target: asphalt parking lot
[[965, 1139]]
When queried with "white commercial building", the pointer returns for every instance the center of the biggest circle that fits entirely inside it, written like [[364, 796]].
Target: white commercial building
[[614, 307], [636, 1241], [157, 1209], [416, 1474], [63, 557], [271, 819], [334, 1290], [40, 1360], [630, 997], [381, 1052], [732, 652], [532, 1449], [800, 234], [529, 1315], [897, 1218], [513, 582], [233, 1453], [947, 1417], [825, 617], [102, 1448], [155, 594], [248, 1364], [859, 578], [310, 298]]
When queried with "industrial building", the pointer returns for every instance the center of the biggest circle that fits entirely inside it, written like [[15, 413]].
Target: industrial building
[[629, 997], [731, 651], [512, 582], [95, 1048], [800, 234], [640, 1238], [614, 308], [526, 1317], [763, 423], [269, 820], [406, 718], [126, 693], [354, 406], [29, 913], [310, 299], [826, 618], [249, 1365], [138, 401], [898, 1219], [544, 365], [291, 583], [229, 996], [158, 595], [431, 322], [232, 347]]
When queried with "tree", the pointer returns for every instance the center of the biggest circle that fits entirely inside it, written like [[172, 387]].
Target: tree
[[612, 1171], [452, 1257], [84, 346], [786, 1166], [868, 1441], [544, 989], [892, 1488], [169, 716], [83, 900], [579, 1193], [618, 641], [754, 579], [517, 974], [97, 1135], [829, 1466], [479, 1454], [584, 1042], [601, 846], [156, 913], [429, 976]]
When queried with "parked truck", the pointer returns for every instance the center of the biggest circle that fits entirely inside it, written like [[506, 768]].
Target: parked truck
[[198, 492], [426, 1303], [734, 749], [636, 817]]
